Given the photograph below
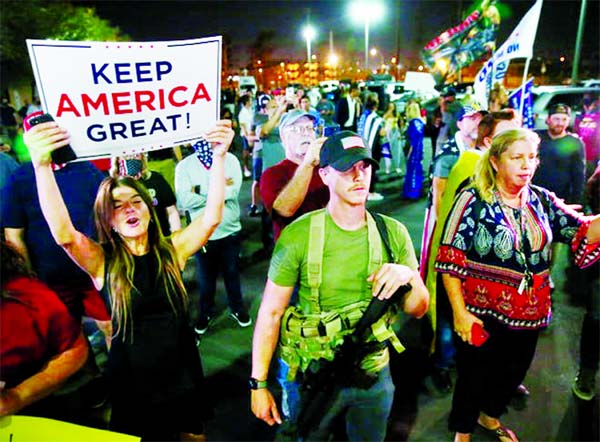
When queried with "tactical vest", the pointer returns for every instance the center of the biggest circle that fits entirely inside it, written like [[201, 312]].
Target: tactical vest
[[306, 337]]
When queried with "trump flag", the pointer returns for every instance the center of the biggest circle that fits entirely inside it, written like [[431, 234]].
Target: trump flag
[[518, 45]]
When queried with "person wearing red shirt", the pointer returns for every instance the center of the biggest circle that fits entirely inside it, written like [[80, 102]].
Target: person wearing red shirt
[[41, 343], [293, 187]]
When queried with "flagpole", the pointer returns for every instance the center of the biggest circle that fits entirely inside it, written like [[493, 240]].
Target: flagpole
[[523, 82]]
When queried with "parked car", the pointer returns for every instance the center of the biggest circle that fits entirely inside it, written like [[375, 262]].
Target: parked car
[[394, 89], [592, 82], [546, 96]]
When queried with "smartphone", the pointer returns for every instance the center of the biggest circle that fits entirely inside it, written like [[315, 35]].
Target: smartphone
[[326, 131], [478, 335], [290, 92], [204, 152], [331, 130], [59, 156]]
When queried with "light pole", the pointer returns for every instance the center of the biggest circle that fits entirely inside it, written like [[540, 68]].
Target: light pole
[[366, 12], [309, 33], [575, 68]]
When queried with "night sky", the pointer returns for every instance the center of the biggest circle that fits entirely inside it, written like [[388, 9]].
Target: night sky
[[408, 25]]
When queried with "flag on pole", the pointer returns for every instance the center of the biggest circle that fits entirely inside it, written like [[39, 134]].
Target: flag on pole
[[518, 45], [464, 43], [522, 98]]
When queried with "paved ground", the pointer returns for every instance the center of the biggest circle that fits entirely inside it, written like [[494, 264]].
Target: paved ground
[[552, 413]]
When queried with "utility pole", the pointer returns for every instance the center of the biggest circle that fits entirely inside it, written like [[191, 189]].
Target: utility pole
[[577, 56]]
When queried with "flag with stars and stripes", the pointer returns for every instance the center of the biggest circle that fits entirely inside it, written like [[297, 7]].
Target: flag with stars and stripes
[[204, 152]]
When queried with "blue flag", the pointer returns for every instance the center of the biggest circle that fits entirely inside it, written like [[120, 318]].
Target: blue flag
[[527, 97]]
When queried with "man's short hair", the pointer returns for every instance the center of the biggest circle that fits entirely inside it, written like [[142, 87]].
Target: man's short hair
[[244, 99], [372, 100], [488, 123]]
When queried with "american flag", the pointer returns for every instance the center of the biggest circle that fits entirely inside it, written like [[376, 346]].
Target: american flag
[[204, 152]]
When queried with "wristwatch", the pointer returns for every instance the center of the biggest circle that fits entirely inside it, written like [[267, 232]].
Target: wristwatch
[[255, 384]]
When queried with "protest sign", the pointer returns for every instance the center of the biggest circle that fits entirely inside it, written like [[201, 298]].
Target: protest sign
[[35, 429], [116, 98]]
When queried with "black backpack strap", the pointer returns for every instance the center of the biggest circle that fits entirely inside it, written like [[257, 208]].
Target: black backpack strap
[[382, 229]]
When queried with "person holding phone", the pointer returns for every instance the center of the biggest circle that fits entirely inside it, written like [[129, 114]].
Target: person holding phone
[[155, 374], [494, 257], [293, 187]]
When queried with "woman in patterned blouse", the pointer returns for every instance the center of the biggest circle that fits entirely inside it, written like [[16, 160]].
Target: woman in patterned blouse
[[495, 259]]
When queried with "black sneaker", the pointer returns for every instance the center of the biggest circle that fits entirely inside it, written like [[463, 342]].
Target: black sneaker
[[242, 318], [442, 380], [520, 398], [202, 324], [254, 211], [522, 390]]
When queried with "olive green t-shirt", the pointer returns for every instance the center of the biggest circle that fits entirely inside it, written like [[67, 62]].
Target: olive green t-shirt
[[345, 260]]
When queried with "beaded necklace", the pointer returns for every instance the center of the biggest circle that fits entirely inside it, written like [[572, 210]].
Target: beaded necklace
[[516, 222]]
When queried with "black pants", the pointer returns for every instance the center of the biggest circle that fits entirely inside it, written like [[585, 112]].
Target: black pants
[[488, 375], [220, 256], [376, 154], [589, 346]]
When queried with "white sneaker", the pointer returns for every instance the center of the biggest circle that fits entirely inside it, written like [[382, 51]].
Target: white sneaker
[[247, 173], [375, 196]]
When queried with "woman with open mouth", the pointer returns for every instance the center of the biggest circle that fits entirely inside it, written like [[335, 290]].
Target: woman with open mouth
[[156, 380]]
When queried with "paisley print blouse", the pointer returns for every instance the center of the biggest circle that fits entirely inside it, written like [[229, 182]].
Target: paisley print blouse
[[484, 245]]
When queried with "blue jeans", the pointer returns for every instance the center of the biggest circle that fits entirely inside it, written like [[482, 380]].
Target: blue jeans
[[366, 411], [290, 392], [220, 256]]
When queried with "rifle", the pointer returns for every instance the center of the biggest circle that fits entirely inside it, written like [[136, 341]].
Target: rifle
[[323, 379]]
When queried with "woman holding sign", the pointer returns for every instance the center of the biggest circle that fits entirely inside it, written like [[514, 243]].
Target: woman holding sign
[[154, 367]]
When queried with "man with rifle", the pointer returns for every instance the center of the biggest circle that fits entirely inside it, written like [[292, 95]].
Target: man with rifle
[[338, 258]]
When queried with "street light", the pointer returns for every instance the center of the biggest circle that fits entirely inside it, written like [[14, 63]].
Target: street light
[[333, 59], [367, 12], [309, 33]]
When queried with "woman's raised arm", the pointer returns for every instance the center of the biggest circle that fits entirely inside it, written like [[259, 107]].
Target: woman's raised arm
[[41, 140]]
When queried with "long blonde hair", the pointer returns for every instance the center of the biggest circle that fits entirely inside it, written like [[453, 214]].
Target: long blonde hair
[[484, 178], [413, 110], [119, 260]]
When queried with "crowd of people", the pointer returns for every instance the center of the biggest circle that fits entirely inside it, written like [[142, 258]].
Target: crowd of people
[[90, 253]]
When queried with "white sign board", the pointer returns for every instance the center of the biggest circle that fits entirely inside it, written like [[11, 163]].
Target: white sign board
[[419, 81], [129, 97]]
